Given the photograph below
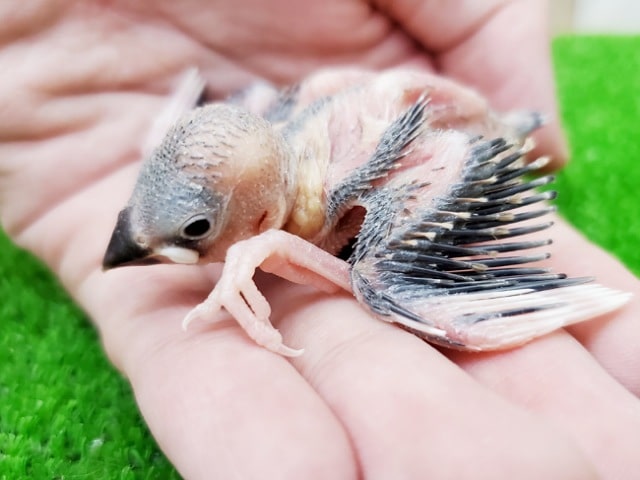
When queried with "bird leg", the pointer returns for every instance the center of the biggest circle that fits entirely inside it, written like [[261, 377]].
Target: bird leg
[[277, 252]]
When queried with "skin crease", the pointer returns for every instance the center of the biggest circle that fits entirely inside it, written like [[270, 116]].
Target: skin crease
[[366, 399]]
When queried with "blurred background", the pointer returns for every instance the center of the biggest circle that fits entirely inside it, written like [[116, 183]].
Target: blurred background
[[595, 16]]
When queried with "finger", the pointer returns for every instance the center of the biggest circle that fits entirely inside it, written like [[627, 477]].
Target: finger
[[556, 377], [586, 391], [402, 400], [499, 47], [218, 405], [614, 338]]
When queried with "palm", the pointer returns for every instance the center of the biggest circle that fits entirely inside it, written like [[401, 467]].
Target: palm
[[90, 171], [217, 403]]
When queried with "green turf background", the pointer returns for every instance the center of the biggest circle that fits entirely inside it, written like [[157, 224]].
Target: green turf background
[[65, 413]]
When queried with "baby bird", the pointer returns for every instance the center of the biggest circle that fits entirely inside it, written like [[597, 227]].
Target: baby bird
[[410, 176]]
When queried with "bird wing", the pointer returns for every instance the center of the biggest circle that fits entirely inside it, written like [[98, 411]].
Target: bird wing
[[441, 258]]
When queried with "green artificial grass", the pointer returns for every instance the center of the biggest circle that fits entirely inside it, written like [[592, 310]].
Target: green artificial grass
[[65, 413], [599, 88]]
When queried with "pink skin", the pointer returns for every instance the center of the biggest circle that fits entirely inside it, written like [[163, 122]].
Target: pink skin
[[283, 254], [366, 399]]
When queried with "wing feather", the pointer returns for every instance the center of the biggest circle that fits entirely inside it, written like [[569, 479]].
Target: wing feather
[[445, 266]]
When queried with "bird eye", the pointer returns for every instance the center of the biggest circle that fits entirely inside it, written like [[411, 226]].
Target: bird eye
[[196, 227]]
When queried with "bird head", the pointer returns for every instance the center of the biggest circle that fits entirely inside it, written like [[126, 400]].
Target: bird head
[[220, 175]]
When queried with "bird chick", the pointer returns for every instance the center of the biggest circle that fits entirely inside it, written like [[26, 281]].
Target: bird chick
[[412, 174]]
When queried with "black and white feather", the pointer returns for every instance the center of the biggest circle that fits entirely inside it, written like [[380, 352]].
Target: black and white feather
[[455, 269]]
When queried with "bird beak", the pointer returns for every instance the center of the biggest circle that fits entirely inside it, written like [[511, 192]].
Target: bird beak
[[123, 249]]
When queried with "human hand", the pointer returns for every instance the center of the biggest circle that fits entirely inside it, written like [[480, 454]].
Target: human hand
[[366, 398]]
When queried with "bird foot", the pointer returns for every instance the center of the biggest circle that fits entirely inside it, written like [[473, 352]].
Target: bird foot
[[277, 252]]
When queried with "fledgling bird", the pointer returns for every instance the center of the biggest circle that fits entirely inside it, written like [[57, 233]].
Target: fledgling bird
[[412, 175]]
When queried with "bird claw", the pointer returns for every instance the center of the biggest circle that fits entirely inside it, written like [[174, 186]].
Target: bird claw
[[285, 255], [237, 293], [207, 310]]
